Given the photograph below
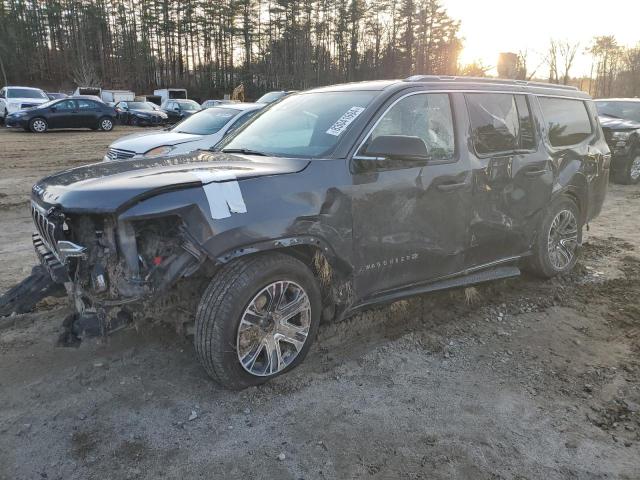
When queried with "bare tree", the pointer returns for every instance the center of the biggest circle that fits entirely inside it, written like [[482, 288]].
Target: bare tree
[[551, 60], [567, 52]]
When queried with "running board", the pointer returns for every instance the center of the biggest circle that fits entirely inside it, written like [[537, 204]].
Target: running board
[[481, 276]]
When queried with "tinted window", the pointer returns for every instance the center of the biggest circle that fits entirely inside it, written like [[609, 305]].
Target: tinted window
[[567, 120], [66, 105], [207, 121], [139, 105], [426, 116], [86, 105], [307, 125], [25, 93], [494, 122], [624, 110]]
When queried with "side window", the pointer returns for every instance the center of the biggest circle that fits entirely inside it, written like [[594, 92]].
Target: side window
[[567, 121], [426, 116], [494, 122], [66, 105], [86, 105]]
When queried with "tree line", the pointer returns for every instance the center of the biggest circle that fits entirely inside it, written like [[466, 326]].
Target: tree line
[[209, 46]]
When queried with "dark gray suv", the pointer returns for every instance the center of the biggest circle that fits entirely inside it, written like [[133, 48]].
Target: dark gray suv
[[328, 202]]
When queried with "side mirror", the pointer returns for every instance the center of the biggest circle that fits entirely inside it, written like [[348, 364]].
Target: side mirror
[[397, 147], [53, 109], [176, 109]]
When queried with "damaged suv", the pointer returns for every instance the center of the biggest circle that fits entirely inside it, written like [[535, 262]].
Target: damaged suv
[[328, 202]]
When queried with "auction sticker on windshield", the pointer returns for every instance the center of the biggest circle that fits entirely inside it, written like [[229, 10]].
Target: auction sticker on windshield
[[345, 120]]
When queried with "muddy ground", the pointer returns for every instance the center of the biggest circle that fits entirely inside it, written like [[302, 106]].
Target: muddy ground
[[533, 380]]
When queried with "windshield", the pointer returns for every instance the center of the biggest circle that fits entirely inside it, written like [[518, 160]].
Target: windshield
[[206, 122], [623, 110], [140, 105], [306, 125], [25, 93], [191, 105]]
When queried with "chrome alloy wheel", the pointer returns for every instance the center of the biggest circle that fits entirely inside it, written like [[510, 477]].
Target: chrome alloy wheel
[[563, 239], [274, 328], [634, 171], [106, 124], [39, 125]]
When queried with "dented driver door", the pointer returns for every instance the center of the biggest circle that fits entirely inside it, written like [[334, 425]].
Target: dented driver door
[[410, 216]]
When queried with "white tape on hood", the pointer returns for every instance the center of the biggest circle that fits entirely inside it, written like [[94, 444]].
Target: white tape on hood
[[223, 193]]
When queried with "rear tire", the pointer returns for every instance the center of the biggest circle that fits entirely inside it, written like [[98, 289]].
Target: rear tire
[[629, 174], [237, 336], [105, 124], [38, 125], [557, 240]]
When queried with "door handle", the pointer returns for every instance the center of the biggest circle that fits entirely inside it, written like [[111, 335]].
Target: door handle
[[535, 173], [447, 187]]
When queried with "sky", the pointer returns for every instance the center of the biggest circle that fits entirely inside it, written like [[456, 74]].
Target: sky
[[493, 26]]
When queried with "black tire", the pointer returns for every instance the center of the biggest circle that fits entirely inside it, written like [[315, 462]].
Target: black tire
[[105, 124], [38, 125], [2, 120], [25, 295], [223, 303], [133, 121], [629, 173], [541, 263]]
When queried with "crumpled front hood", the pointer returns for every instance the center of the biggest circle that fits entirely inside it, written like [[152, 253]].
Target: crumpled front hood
[[107, 186], [143, 142], [618, 123]]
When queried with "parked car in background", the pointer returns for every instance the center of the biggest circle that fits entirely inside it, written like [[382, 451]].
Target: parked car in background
[[140, 113], [215, 103], [171, 94], [274, 96], [327, 203], [177, 110], [72, 112], [200, 131], [620, 120], [13, 99], [56, 95]]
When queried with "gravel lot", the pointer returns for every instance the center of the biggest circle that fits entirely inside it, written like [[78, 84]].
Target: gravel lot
[[533, 380]]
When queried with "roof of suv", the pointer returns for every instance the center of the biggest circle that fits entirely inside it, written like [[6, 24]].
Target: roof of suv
[[460, 83], [26, 88]]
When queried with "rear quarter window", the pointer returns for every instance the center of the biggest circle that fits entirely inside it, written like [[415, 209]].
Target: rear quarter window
[[567, 121]]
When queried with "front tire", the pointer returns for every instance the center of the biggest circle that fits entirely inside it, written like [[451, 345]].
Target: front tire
[[105, 124], [558, 239], [257, 319], [38, 125], [629, 174]]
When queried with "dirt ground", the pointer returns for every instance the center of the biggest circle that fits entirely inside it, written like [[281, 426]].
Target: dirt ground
[[533, 380]]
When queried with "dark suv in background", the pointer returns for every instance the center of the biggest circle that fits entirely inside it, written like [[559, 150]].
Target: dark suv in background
[[327, 203], [620, 120]]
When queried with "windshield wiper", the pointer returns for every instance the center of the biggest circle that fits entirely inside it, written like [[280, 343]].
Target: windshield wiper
[[245, 151]]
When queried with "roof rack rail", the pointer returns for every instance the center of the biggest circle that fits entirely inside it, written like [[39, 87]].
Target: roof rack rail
[[495, 81]]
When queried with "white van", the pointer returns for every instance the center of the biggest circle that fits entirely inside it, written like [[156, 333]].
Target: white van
[[171, 94]]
